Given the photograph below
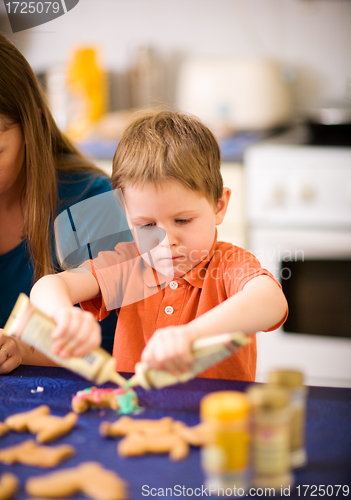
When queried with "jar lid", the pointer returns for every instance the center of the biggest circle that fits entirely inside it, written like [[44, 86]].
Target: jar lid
[[287, 378], [224, 406], [268, 397]]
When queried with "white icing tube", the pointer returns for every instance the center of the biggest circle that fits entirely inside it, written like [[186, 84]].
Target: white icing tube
[[34, 327], [207, 351]]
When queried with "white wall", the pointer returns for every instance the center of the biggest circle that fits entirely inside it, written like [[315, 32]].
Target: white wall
[[310, 37]]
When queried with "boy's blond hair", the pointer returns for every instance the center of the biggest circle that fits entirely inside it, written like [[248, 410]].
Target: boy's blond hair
[[165, 145]]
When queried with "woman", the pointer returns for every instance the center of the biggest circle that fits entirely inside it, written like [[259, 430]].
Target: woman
[[41, 175]]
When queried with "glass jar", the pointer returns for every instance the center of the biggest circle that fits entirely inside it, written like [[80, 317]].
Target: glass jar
[[293, 381], [270, 430]]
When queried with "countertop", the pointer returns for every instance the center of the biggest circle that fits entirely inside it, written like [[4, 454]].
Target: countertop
[[232, 148]]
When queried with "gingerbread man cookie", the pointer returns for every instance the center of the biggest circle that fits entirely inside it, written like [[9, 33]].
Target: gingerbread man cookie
[[8, 486], [38, 421], [154, 436], [196, 435], [137, 444], [4, 429], [127, 425], [116, 399], [30, 453], [89, 478]]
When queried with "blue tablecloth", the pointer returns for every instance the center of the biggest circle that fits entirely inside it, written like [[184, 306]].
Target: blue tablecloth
[[328, 432]]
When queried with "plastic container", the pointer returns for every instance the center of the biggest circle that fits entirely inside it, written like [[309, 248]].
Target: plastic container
[[293, 381], [34, 327], [270, 428], [225, 458], [87, 91]]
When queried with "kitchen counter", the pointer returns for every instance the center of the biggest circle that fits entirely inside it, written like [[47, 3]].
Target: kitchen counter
[[232, 148], [328, 431]]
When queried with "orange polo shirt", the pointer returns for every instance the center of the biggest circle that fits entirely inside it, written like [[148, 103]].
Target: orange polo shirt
[[144, 303]]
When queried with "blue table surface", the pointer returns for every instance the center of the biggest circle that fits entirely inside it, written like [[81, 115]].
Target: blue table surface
[[328, 433]]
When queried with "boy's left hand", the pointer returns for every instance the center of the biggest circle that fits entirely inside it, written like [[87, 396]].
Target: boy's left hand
[[169, 349]]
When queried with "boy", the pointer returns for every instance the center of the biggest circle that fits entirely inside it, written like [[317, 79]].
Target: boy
[[167, 166]]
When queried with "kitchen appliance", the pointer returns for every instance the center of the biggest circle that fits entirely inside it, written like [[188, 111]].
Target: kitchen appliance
[[231, 94], [299, 227], [329, 123]]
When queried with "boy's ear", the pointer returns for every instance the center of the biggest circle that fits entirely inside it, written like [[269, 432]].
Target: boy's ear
[[222, 205]]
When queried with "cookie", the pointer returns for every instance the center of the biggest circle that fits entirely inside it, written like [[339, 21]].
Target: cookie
[[137, 444], [196, 435], [30, 453], [19, 421], [4, 429], [8, 486], [38, 421], [117, 399], [154, 436], [127, 425], [88, 478]]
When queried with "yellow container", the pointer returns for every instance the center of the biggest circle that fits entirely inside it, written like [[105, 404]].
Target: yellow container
[[87, 91], [225, 458]]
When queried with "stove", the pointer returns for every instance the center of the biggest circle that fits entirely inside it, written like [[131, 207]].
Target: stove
[[298, 195]]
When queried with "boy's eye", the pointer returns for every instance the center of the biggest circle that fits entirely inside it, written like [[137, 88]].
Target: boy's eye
[[146, 226], [183, 221]]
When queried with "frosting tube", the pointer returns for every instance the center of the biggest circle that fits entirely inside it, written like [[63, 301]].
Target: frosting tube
[[207, 351], [34, 327]]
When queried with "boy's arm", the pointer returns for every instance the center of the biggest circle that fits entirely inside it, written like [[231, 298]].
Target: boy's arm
[[76, 332], [259, 306], [63, 290], [55, 296]]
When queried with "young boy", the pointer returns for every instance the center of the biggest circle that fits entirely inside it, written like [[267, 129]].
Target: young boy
[[167, 166]]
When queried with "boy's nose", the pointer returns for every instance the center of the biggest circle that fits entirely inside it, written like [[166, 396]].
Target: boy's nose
[[169, 240]]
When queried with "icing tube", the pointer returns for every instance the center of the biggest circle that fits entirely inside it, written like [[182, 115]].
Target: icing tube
[[34, 327], [207, 351]]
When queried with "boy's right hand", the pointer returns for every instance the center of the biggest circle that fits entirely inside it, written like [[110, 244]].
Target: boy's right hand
[[76, 333]]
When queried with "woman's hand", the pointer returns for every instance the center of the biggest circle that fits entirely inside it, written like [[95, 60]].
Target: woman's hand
[[10, 356], [169, 349], [76, 333]]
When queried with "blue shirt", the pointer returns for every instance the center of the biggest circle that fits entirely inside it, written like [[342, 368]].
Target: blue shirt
[[16, 269]]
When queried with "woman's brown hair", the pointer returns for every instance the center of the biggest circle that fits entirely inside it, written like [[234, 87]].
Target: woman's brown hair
[[167, 145], [47, 151]]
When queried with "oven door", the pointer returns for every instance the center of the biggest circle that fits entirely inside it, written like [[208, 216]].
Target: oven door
[[314, 269]]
